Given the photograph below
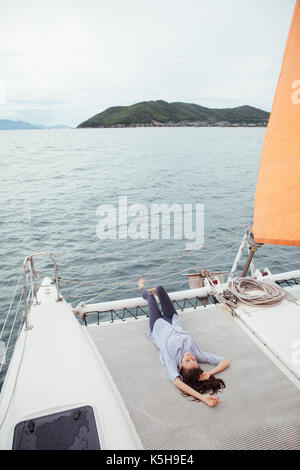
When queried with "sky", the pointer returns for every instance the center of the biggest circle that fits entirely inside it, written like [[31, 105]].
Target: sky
[[63, 61]]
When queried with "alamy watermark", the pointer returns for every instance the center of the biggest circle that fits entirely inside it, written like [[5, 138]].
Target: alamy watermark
[[160, 221]]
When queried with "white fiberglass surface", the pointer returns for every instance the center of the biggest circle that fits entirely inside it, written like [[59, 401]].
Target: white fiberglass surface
[[278, 327]]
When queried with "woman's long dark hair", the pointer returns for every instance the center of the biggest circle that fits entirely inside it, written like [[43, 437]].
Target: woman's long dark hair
[[191, 378]]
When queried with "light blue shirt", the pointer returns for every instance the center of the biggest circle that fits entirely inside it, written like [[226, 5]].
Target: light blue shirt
[[173, 342]]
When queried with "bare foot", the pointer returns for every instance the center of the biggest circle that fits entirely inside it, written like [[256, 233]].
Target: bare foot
[[141, 282], [153, 291]]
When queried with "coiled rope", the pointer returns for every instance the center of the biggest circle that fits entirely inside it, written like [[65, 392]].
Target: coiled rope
[[245, 289]]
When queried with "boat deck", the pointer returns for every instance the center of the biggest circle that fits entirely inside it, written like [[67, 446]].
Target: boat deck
[[277, 327], [260, 408]]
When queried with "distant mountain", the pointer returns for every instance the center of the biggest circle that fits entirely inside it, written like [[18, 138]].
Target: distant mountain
[[6, 124], [58, 126], [158, 113]]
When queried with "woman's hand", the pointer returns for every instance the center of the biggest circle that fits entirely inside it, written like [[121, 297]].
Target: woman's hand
[[210, 401], [220, 367], [207, 399], [204, 376]]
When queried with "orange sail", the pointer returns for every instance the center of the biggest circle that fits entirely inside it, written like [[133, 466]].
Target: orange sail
[[277, 198]]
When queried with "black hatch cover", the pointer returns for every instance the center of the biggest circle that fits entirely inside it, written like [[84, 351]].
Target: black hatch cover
[[68, 430]]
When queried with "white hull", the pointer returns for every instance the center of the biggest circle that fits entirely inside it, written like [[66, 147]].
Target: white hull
[[55, 367]]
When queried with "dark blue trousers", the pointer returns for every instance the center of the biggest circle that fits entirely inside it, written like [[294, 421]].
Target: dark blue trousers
[[165, 302]]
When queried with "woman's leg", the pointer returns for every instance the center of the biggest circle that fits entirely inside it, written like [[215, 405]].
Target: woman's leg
[[166, 303], [154, 312]]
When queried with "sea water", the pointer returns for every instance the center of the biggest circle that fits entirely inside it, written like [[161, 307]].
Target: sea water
[[53, 182]]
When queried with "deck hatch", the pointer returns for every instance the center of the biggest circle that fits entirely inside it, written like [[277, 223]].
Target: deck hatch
[[68, 430]]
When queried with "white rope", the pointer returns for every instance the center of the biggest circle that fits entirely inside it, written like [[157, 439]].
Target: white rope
[[127, 262], [283, 264], [197, 266], [146, 274], [135, 277], [260, 259], [167, 284], [20, 362], [172, 273], [245, 289], [167, 274], [123, 290], [168, 250], [164, 277], [16, 379], [12, 328], [189, 253], [11, 304], [284, 255], [21, 324]]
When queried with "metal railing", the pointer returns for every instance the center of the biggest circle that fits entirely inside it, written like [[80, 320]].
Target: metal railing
[[120, 313], [28, 266]]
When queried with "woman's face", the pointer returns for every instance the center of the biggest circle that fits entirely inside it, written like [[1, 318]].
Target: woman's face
[[188, 361]]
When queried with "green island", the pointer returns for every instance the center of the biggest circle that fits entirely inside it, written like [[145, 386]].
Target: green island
[[162, 114]]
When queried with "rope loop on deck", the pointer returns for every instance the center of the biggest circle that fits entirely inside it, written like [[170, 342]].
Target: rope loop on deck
[[245, 289]]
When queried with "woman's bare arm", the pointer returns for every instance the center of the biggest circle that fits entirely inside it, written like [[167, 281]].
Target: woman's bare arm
[[219, 368], [207, 399]]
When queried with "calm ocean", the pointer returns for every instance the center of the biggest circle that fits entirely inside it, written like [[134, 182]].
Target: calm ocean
[[54, 180]]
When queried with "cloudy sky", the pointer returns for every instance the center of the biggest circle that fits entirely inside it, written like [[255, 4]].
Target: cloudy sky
[[63, 61]]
